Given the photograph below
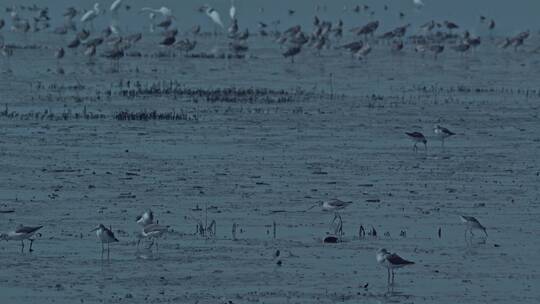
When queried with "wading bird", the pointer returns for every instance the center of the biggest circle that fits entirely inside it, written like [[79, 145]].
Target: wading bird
[[417, 137], [106, 236], [391, 261], [442, 133], [472, 224]]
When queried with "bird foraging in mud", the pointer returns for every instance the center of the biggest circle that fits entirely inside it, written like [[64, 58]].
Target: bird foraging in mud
[[21, 233], [472, 224], [417, 137], [442, 133], [391, 261]]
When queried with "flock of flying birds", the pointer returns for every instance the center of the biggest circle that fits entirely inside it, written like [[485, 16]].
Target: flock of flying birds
[[79, 24], [432, 37]]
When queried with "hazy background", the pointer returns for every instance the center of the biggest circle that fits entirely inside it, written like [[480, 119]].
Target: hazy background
[[510, 16]]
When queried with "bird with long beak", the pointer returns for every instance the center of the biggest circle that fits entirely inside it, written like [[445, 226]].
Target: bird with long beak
[[106, 236]]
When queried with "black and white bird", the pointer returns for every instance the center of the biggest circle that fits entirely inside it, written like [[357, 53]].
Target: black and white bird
[[442, 133], [391, 261], [472, 224], [21, 233], [417, 137], [106, 236]]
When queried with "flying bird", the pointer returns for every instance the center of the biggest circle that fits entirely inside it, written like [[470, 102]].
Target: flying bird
[[91, 14], [213, 14], [232, 11], [165, 11], [115, 6]]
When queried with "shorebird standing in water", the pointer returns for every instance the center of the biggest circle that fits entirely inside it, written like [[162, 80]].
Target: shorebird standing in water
[[391, 261], [472, 224], [106, 236], [417, 137], [442, 133], [21, 233]]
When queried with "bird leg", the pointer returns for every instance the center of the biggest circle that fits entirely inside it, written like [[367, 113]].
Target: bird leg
[[31, 242], [102, 250], [22, 246], [392, 276], [388, 277], [108, 251]]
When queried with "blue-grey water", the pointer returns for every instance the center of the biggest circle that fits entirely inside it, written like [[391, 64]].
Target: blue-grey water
[[258, 141]]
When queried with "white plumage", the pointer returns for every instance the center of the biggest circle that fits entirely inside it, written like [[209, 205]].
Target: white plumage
[[214, 15], [91, 14], [232, 11], [115, 5], [165, 11]]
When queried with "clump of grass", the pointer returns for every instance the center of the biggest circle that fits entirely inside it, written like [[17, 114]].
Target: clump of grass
[[153, 115]]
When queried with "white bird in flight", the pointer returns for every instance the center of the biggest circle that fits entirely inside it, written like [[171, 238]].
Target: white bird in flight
[[213, 14], [232, 11], [91, 14], [165, 11], [418, 3], [115, 5]]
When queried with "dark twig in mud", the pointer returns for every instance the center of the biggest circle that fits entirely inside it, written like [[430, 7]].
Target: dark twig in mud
[[234, 227]]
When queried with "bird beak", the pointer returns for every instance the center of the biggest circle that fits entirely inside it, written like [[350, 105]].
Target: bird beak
[[94, 229], [312, 207]]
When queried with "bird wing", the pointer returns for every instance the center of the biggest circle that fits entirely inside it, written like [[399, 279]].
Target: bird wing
[[88, 15], [232, 12], [24, 229], [154, 228], [395, 259], [215, 17], [465, 218], [446, 131], [110, 234], [115, 5], [149, 9]]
